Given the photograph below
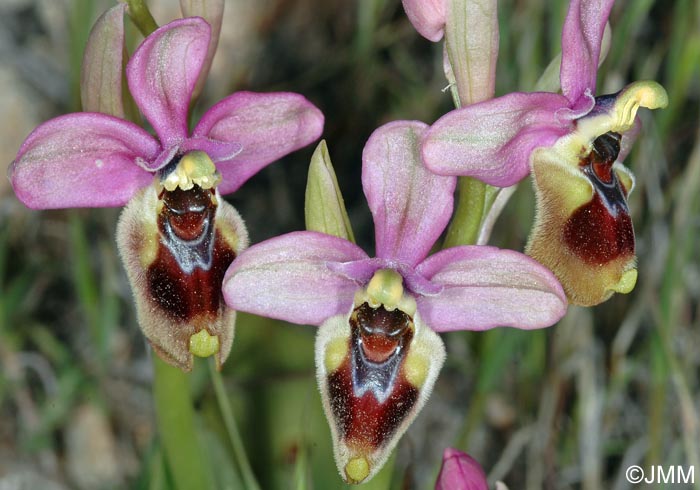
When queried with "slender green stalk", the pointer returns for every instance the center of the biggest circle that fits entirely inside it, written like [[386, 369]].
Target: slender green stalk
[[657, 400], [234, 435], [367, 20], [139, 13], [466, 222], [176, 425], [497, 348], [86, 287], [301, 468], [157, 480]]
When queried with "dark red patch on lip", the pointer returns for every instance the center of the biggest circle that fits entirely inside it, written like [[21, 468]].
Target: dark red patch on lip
[[361, 418], [187, 220], [601, 230], [597, 236], [364, 422]]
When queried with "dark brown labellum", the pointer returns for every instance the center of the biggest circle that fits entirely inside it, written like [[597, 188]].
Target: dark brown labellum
[[369, 393], [601, 230], [185, 278], [375, 369]]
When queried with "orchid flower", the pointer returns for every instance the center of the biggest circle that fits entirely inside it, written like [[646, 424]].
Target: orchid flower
[[377, 351], [460, 471], [177, 236], [574, 144]]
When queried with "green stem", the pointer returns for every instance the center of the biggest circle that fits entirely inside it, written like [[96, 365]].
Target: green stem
[[139, 13], [176, 425], [301, 468], [657, 400], [466, 221], [83, 275], [234, 435], [473, 418]]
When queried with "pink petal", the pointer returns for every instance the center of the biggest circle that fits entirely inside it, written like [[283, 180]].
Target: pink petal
[[290, 278], [410, 205], [82, 160], [492, 140], [101, 71], [268, 127], [163, 72], [485, 287], [218, 151], [427, 16], [581, 40], [165, 156], [460, 471]]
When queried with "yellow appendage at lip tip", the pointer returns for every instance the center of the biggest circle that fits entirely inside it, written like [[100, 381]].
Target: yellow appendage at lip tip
[[357, 469], [626, 283], [204, 345]]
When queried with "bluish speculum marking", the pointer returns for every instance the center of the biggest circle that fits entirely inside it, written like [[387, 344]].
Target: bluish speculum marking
[[186, 224]]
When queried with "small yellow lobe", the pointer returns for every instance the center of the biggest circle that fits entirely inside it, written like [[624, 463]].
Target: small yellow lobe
[[204, 345], [149, 251], [357, 470], [416, 369], [146, 242], [336, 352]]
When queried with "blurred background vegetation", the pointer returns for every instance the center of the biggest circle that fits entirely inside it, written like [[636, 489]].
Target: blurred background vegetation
[[570, 407]]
